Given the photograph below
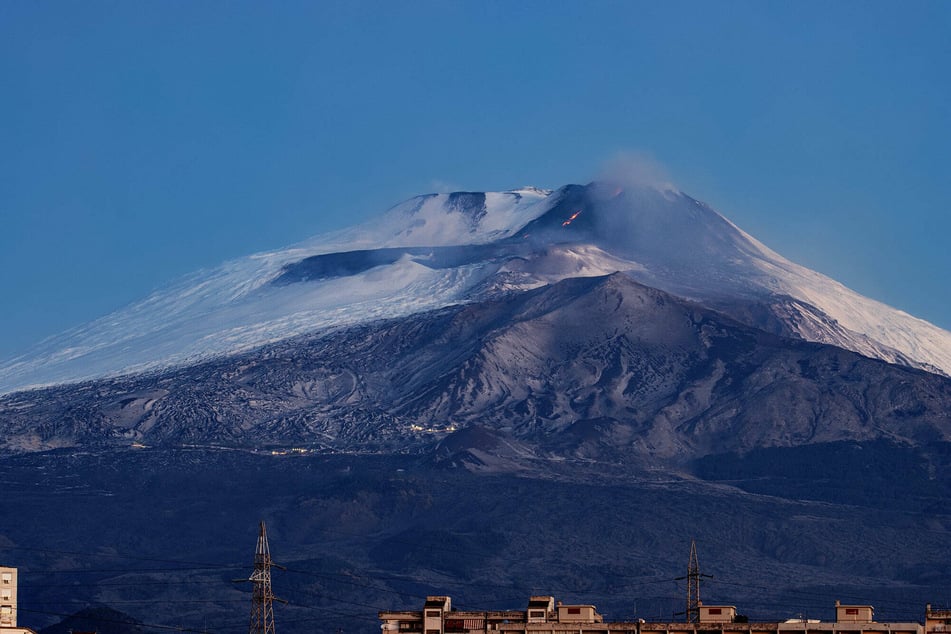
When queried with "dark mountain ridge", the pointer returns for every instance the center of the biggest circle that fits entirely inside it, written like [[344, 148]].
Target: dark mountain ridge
[[161, 534]]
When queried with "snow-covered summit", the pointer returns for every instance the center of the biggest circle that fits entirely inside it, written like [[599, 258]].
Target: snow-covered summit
[[439, 249], [234, 307], [440, 220]]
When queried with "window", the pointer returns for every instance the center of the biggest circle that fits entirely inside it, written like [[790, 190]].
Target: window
[[852, 611], [536, 614], [7, 577], [433, 614], [716, 611], [6, 595], [574, 610]]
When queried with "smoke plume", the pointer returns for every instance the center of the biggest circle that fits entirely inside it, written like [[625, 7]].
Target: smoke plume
[[635, 170]]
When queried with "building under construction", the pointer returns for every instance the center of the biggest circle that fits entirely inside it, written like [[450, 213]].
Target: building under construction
[[544, 616]]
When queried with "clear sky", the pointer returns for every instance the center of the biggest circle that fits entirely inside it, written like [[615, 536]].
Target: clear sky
[[143, 140]]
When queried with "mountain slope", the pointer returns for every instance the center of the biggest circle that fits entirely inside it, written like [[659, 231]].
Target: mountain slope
[[556, 389], [601, 368], [440, 250]]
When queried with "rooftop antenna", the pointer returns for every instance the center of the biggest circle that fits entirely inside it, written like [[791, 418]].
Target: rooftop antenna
[[693, 585], [262, 599]]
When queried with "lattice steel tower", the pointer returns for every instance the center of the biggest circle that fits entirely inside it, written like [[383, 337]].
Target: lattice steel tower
[[693, 585], [262, 599]]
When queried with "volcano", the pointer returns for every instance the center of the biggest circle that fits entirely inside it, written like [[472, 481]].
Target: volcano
[[497, 394], [440, 250]]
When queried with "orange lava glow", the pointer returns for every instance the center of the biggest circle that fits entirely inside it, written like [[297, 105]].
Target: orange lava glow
[[570, 218]]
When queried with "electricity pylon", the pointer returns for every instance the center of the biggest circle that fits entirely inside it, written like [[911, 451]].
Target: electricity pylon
[[693, 585], [262, 599]]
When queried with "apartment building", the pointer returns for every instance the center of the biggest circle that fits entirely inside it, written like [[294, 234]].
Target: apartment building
[[543, 615], [8, 603], [8, 597], [937, 621]]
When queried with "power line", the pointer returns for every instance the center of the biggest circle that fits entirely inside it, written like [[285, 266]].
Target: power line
[[154, 626], [372, 582], [201, 564]]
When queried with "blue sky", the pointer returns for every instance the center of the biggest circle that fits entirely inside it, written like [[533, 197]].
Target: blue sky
[[143, 140]]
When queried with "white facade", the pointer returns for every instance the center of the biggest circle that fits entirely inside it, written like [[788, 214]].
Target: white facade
[[854, 613], [8, 597], [717, 613]]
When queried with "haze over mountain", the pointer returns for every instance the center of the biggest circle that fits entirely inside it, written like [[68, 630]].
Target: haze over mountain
[[438, 250]]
